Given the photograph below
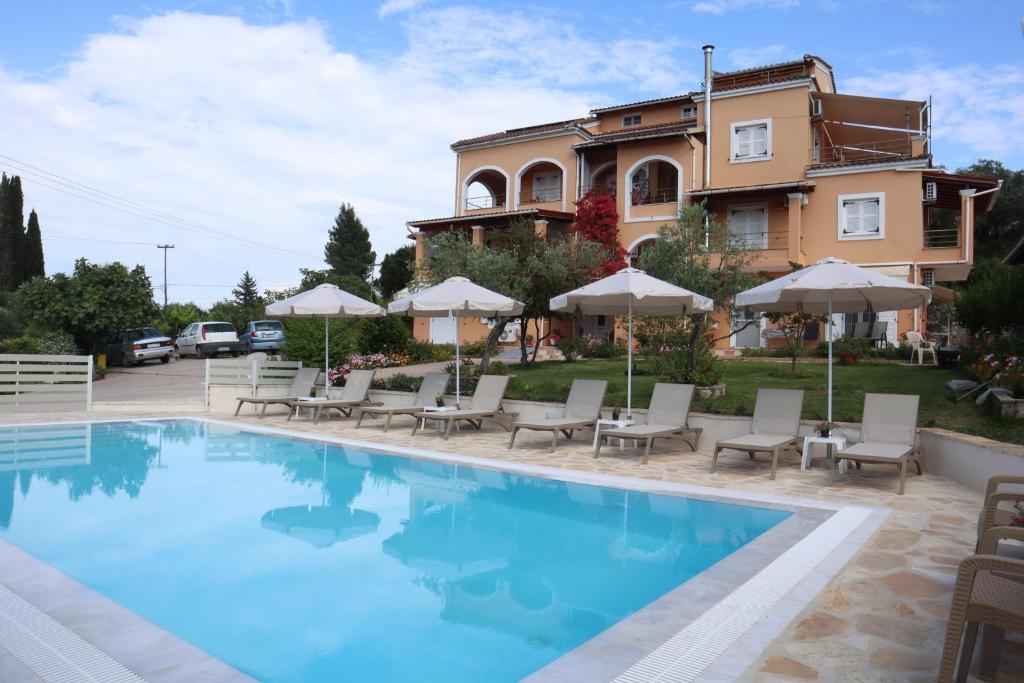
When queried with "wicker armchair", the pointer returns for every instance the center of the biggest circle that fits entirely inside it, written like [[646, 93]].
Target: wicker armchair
[[991, 515], [989, 591]]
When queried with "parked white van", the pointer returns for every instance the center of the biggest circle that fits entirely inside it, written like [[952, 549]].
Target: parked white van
[[210, 338]]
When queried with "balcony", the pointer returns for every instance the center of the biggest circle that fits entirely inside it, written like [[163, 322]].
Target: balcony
[[939, 237], [645, 196], [865, 151], [485, 201], [540, 196]]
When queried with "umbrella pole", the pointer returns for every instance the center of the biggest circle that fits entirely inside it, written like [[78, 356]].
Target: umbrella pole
[[327, 358], [458, 367], [629, 351], [829, 419]]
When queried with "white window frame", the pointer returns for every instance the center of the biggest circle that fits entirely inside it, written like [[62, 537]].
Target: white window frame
[[536, 198], [734, 146], [880, 196], [637, 115], [682, 111], [749, 206]]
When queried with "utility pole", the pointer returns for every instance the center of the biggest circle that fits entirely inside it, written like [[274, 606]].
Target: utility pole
[[165, 247]]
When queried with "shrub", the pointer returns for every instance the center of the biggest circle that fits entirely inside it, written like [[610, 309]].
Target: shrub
[[474, 349], [572, 348], [497, 368], [425, 352], [399, 382], [57, 343], [467, 376], [304, 340], [389, 334], [850, 349], [604, 348], [19, 345], [674, 366]]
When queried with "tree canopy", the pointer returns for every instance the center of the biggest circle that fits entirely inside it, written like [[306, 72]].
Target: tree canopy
[[92, 303], [597, 221], [348, 250], [397, 270]]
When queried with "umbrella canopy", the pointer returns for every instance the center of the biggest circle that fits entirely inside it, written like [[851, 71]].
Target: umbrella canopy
[[329, 301], [634, 288], [321, 525], [459, 297], [829, 286], [833, 285], [631, 291]]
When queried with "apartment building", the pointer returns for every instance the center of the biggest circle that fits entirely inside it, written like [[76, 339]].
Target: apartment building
[[795, 169]]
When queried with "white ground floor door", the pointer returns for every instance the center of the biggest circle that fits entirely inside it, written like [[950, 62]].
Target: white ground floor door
[[749, 337], [442, 330]]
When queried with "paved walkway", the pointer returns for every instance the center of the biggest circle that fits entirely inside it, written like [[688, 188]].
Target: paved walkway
[[882, 619]]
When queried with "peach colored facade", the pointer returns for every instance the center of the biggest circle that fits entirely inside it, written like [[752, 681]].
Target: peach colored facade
[[796, 170]]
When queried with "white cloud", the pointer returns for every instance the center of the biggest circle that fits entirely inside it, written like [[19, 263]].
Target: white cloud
[[262, 130], [746, 57], [397, 7], [977, 109], [723, 6]]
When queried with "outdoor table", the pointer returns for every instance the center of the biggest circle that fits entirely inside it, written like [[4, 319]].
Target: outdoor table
[[437, 409], [614, 423], [838, 442], [309, 403]]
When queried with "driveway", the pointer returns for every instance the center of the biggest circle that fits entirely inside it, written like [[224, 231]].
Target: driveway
[[180, 381]]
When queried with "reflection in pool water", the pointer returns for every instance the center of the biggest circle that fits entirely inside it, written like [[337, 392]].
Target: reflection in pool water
[[300, 561]]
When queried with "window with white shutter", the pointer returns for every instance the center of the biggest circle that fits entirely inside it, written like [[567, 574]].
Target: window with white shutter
[[748, 226], [862, 216], [751, 140]]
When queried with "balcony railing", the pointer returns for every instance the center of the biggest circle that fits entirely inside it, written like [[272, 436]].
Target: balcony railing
[[599, 188], [540, 196], [642, 197], [879, 150], [485, 202], [937, 237], [768, 239]]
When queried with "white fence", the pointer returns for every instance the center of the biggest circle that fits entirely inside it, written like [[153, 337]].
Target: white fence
[[243, 372], [32, 448], [32, 383]]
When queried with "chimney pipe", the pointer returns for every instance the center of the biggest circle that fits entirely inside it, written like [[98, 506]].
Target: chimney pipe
[[708, 49]]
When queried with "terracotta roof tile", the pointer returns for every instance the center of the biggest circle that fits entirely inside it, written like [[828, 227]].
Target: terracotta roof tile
[[519, 132]]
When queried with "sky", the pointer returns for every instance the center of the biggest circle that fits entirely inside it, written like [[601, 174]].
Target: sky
[[234, 130]]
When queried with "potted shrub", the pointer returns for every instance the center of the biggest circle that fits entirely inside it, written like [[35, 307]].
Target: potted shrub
[[849, 350]]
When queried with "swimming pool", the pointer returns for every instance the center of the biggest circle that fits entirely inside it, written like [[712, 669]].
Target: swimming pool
[[295, 560]]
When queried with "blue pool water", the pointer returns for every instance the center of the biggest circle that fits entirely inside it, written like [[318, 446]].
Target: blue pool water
[[299, 561]]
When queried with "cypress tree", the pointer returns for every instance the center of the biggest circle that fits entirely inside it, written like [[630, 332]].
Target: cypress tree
[[246, 293], [348, 250], [34, 263], [12, 233]]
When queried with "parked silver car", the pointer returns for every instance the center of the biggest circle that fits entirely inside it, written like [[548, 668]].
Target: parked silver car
[[138, 344], [263, 335], [210, 338]]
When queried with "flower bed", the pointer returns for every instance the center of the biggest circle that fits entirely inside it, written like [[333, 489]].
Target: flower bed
[[366, 361]]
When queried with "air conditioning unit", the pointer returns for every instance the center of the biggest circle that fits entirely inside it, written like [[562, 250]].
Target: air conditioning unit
[[931, 192], [509, 334], [928, 277], [816, 108]]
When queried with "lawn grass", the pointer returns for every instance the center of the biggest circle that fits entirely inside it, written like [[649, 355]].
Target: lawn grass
[[550, 381]]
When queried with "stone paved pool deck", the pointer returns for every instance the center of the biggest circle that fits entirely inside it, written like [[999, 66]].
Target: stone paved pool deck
[[881, 619]]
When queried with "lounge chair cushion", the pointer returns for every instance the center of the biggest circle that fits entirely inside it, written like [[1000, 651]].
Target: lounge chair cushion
[[555, 423], [876, 451], [641, 431], [764, 442]]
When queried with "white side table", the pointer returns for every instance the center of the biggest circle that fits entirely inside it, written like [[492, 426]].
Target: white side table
[[837, 442], [437, 409], [601, 422]]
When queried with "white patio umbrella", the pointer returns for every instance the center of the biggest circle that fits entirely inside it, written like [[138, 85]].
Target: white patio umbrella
[[631, 291], [829, 286], [460, 298], [327, 300]]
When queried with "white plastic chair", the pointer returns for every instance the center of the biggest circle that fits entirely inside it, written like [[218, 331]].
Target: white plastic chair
[[919, 347]]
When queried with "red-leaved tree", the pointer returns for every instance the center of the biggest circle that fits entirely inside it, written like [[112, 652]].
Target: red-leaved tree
[[597, 221]]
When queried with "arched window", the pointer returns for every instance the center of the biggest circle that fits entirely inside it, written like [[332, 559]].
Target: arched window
[[485, 189], [541, 180], [654, 182]]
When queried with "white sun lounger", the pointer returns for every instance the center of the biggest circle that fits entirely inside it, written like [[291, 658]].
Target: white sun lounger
[[775, 427], [433, 385], [888, 434], [301, 386], [666, 419], [353, 395], [582, 408]]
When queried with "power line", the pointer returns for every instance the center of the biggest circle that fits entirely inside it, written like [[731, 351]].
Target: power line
[[79, 190]]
